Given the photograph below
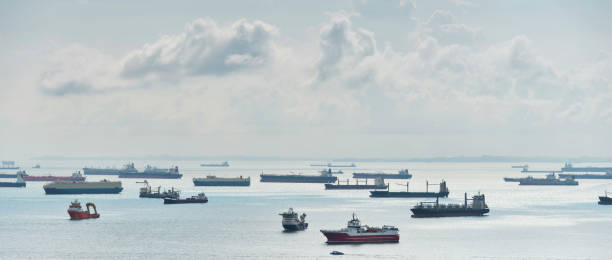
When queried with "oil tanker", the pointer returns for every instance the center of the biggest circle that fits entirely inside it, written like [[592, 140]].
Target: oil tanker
[[607, 175], [298, 178], [74, 187], [212, 180], [109, 171], [570, 168], [402, 174], [153, 173], [478, 207], [77, 176], [443, 192]]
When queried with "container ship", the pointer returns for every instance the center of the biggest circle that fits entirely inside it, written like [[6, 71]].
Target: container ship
[[76, 212], [212, 180], [356, 233], [291, 222], [77, 176], [379, 183], [109, 171], [442, 192], [298, 178], [18, 183], [478, 207], [148, 192], [549, 180], [605, 200], [153, 173], [402, 174], [200, 198], [223, 164], [73, 187], [8, 165], [570, 168], [607, 175]]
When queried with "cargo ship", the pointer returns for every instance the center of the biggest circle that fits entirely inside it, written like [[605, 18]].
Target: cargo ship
[[478, 207], [291, 222], [507, 179], [8, 165], [212, 180], [442, 192], [109, 171], [549, 180], [356, 233], [18, 183], [223, 164], [200, 198], [298, 178], [77, 176], [148, 192], [84, 187], [330, 171], [13, 175], [333, 165], [379, 183], [402, 174], [605, 200], [570, 168], [76, 212], [153, 173], [607, 175]]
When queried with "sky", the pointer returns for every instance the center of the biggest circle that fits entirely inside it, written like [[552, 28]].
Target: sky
[[328, 79]]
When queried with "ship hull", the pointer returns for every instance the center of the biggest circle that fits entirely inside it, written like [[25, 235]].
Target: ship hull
[[586, 176], [76, 215], [8, 175], [297, 227], [403, 194], [548, 184], [298, 179], [353, 187], [605, 201], [12, 184], [586, 169], [149, 176], [341, 238], [94, 171], [52, 178], [9, 168], [384, 176], [512, 179], [157, 196], [221, 183], [54, 191], [185, 201], [436, 213]]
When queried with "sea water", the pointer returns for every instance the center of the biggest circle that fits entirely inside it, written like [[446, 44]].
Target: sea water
[[532, 222]]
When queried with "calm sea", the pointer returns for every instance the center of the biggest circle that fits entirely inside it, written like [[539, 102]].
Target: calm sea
[[243, 222]]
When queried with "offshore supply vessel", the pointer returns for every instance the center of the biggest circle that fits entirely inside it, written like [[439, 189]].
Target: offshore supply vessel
[[605, 200], [83, 187], [212, 180], [76, 211], [109, 171], [298, 178], [570, 168], [18, 183], [223, 164], [153, 173], [356, 233], [478, 207], [402, 174], [77, 176], [379, 183], [549, 180], [442, 192], [148, 192], [291, 222]]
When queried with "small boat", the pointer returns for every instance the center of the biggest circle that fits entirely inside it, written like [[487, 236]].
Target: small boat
[[200, 198], [36, 166], [336, 253], [76, 211], [605, 200]]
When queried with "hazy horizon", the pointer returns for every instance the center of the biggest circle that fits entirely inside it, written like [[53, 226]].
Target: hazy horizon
[[341, 79]]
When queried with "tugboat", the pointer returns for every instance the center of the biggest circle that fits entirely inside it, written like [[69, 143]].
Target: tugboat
[[379, 183], [434, 209], [356, 233], [76, 212], [443, 192], [291, 222], [605, 200], [201, 198], [402, 174], [19, 183], [147, 192]]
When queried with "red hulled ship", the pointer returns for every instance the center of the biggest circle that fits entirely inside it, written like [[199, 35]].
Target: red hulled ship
[[76, 212], [75, 177], [356, 233]]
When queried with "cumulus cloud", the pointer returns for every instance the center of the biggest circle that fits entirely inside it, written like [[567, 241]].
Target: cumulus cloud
[[443, 26], [204, 48]]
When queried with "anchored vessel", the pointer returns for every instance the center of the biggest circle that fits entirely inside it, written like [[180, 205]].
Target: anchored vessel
[[330, 171], [76, 212], [379, 183], [77, 176], [605, 200], [13, 175], [19, 183], [549, 180], [8, 165], [607, 175], [506, 179], [223, 164], [333, 165], [402, 174], [291, 222], [212, 180], [478, 207], [109, 171], [356, 233], [570, 168], [153, 173], [443, 192], [147, 192], [84, 187], [201, 198], [298, 178]]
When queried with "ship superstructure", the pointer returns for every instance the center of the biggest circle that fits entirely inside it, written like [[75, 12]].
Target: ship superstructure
[[356, 233], [148, 192], [291, 222]]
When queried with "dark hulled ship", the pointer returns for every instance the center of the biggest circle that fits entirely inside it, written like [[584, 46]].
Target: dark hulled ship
[[299, 178], [379, 183], [605, 200], [402, 174], [478, 207], [442, 192]]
